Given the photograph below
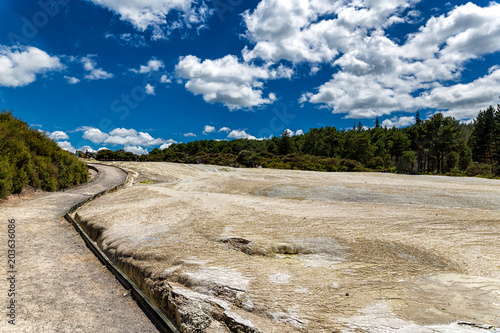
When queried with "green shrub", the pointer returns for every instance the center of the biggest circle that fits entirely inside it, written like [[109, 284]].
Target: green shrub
[[351, 165], [278, 164], [479, 169], [30, 158], [6, 178]]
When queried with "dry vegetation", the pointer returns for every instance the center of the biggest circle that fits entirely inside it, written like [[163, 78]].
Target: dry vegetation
[[289, 251]]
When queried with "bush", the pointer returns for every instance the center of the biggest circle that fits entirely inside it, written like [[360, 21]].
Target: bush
[[476, 169], [455, 172], [248, 158], [30, 158], [376, 163], [6, 177], [278, 164], [351, 165]]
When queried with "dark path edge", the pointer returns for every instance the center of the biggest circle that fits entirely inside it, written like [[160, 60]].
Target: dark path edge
[[97, 195], [154, 314]]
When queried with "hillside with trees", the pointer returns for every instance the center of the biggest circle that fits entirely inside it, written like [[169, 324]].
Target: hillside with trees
[[439, 145], [28, 158]]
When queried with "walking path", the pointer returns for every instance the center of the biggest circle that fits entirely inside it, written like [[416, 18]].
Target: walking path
[[60, 286]]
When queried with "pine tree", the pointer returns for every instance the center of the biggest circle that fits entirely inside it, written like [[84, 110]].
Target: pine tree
[[360, 127], [285, 146], [483, 137], [418, 121], [496, 135]]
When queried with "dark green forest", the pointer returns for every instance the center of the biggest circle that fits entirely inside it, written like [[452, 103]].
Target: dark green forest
[[439, 145], [28, 158]]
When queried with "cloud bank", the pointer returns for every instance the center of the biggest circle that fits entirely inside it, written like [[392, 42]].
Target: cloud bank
[[373, 73]]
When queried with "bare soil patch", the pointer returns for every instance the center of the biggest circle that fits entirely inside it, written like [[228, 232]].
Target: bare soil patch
[[261, 250]]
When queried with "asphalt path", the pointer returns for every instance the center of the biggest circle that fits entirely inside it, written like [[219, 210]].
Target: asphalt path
[[56, 284]]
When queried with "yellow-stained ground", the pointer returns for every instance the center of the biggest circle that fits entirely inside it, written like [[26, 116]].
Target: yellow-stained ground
[[294, 251]]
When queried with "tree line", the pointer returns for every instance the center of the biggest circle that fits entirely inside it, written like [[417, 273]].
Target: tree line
[[439, 145], [29, 158]]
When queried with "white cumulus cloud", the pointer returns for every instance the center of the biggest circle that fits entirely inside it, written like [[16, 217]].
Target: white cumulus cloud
[[208, 129], [153, 65], [136, 150], [463, 101], [123, 132], [150, 90], [315, 30], [92, 71], [72, 80], [136, 141], [19, 66], [137, 138], [467, 32], [86, 149], [360, 96], [399, 122], [165, 79], [242, 134], [227, 80], [58, 135], [154, 14], [95, 135], [375, 74], [292, 133], [66, 145], [166, 145]]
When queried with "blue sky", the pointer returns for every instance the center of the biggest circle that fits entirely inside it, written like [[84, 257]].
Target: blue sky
[[136, 75]]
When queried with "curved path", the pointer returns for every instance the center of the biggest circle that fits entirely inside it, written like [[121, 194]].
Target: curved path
[[60, 285]]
